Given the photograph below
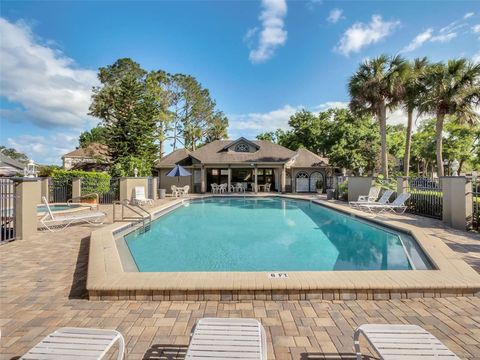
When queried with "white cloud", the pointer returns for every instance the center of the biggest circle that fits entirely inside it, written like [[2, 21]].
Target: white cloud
[[444, 37], [418, 40], [360, 35], [49, 88], [476, 57], [335, 15], [252, 124], [468, 15], [272, 34], [45, 149], [476, 28]]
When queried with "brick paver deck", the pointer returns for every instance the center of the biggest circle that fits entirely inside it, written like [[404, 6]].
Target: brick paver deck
[[42, 287]]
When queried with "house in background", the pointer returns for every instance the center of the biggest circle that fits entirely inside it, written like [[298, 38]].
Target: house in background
[[92, 157], [9, 166], [250, 162]]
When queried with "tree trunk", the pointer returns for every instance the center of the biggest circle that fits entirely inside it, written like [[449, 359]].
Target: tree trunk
[[383, 136], [408, 143], [162, 148], [438, 131]]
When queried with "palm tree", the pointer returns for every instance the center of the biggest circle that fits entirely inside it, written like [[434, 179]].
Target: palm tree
[[450, 89], [375, 87], [413, 88]]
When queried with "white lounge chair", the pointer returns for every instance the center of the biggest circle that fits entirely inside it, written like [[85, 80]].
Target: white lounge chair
[[397, 342], [398, 205], [140, 198], [372, 195], [382, 201], [227, 338], [59, 222], [77, 343]]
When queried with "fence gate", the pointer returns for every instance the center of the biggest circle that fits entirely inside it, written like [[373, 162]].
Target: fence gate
[[59, 190], [150, 187], [426, 197], [476, 204], [7, 210], [107, 196]]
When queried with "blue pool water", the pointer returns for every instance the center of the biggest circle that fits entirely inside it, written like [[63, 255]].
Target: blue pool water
[[56, 207], [268, 234]]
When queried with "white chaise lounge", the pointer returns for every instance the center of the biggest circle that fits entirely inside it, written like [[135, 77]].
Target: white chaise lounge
[[77, 344], [59, 222], [140, 198], [227, 338], [372, 195], [382, 201], [401, 342], [398, 205]]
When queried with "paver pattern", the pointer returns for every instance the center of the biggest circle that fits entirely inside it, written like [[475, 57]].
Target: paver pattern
[[42, 287]]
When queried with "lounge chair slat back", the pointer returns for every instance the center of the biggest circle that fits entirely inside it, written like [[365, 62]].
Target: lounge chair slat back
[[227, 338], [401, 199], [47, 205], [385, 197]]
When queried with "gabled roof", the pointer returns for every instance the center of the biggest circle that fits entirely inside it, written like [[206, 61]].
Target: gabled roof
[[214, 153], [307, 159], [7, 160], [179, 156], [93, 150], [239, 140]]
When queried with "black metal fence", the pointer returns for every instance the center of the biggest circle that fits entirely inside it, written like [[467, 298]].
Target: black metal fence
[[426, 197], [335, 183], [104, 197], [150, 187], [7, 210], [59, 190], [476, 204]]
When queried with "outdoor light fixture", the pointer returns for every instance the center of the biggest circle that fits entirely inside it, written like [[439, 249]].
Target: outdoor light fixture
[[344, 172], [361, 170], [30, 170], [135, 172], [455, 166]]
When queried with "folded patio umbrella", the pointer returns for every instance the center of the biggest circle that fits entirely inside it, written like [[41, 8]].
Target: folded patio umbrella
[[178, 171]]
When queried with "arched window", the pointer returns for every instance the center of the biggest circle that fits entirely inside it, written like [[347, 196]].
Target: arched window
[[302, 175], [241, 148], [314, 177]]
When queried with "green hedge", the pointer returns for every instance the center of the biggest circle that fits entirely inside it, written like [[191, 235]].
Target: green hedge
[[92, 182]]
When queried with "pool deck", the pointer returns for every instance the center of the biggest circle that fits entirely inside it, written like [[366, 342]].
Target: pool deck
[[108, 279], [43, 287]]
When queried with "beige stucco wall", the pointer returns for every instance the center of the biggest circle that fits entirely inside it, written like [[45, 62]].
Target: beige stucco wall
[[358, 185], [27, 193], [166, 182], [457, 201], [127, 186]]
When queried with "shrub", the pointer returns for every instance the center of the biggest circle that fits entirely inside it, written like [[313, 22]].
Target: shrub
[[92, 182], [125, 167]]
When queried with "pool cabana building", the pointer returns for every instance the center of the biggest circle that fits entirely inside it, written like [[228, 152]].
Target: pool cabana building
[[252, 163]]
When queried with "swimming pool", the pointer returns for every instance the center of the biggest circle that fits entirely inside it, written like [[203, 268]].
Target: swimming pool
[[41, 209], [269, 234]]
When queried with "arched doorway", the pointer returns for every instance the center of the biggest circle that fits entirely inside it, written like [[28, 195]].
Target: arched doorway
[[301, 182], [314, 177]]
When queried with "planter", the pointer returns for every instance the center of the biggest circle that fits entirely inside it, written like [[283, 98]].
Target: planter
[[319, 191], [89, 201]]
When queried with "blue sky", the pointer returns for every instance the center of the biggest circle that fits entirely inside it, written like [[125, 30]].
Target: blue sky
[[261, 60]]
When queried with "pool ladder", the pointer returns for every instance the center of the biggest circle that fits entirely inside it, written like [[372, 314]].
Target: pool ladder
[[137, 209]]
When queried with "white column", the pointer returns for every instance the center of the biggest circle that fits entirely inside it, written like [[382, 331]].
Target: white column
[[229, 182], [283, 179], [204, 185], [255, 174]]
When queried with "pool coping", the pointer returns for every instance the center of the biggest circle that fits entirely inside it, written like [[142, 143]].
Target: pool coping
[[107, 279]]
